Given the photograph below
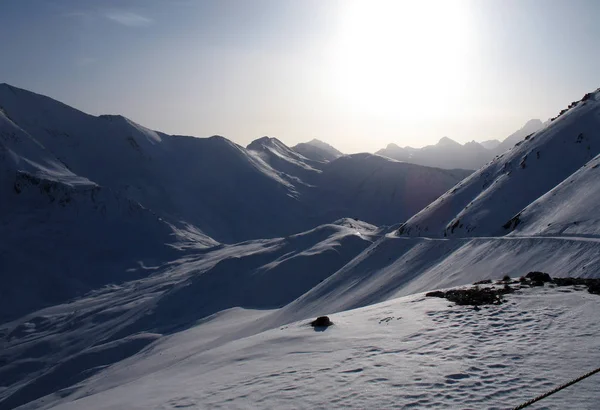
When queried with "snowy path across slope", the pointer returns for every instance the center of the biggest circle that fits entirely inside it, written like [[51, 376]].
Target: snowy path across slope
[[412, 352]]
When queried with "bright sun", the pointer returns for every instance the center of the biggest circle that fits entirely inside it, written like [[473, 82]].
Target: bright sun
[[402, 58]]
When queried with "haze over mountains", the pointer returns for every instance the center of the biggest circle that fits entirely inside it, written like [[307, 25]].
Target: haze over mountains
[[142, 270], [450, 154]]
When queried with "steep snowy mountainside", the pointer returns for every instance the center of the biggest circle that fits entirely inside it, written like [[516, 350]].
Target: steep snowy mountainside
[[569, 209], [449, 154], [317, 151], [485, 201], [284, 159], [375, 187]]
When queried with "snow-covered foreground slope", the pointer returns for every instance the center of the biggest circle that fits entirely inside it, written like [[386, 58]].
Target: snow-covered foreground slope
[[410, 352], [483, 203]]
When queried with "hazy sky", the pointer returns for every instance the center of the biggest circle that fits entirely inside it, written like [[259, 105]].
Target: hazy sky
[[357, 74]]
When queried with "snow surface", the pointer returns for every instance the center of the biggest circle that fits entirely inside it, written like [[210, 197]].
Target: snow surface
[[413, 352], [569, 209]]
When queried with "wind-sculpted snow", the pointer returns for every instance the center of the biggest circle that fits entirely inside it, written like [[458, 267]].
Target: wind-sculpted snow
[[484, 202]]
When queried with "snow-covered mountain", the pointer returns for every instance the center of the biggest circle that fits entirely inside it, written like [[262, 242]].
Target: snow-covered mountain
[[450, 154], [109, 303], [317, 150], [224, 190], [483, 203]]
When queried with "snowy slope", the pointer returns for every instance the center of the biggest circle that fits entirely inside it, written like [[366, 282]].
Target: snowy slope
[[410, 352], [483, 203], [569, 209], [317, 151]]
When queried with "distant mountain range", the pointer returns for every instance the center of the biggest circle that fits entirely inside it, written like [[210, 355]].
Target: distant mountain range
[[450, 154]]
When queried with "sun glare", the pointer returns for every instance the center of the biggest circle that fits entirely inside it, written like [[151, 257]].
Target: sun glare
[[401, 58]]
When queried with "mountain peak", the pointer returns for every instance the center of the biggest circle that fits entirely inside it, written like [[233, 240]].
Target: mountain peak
[[265, 141], [533, 123], [445, 141]]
